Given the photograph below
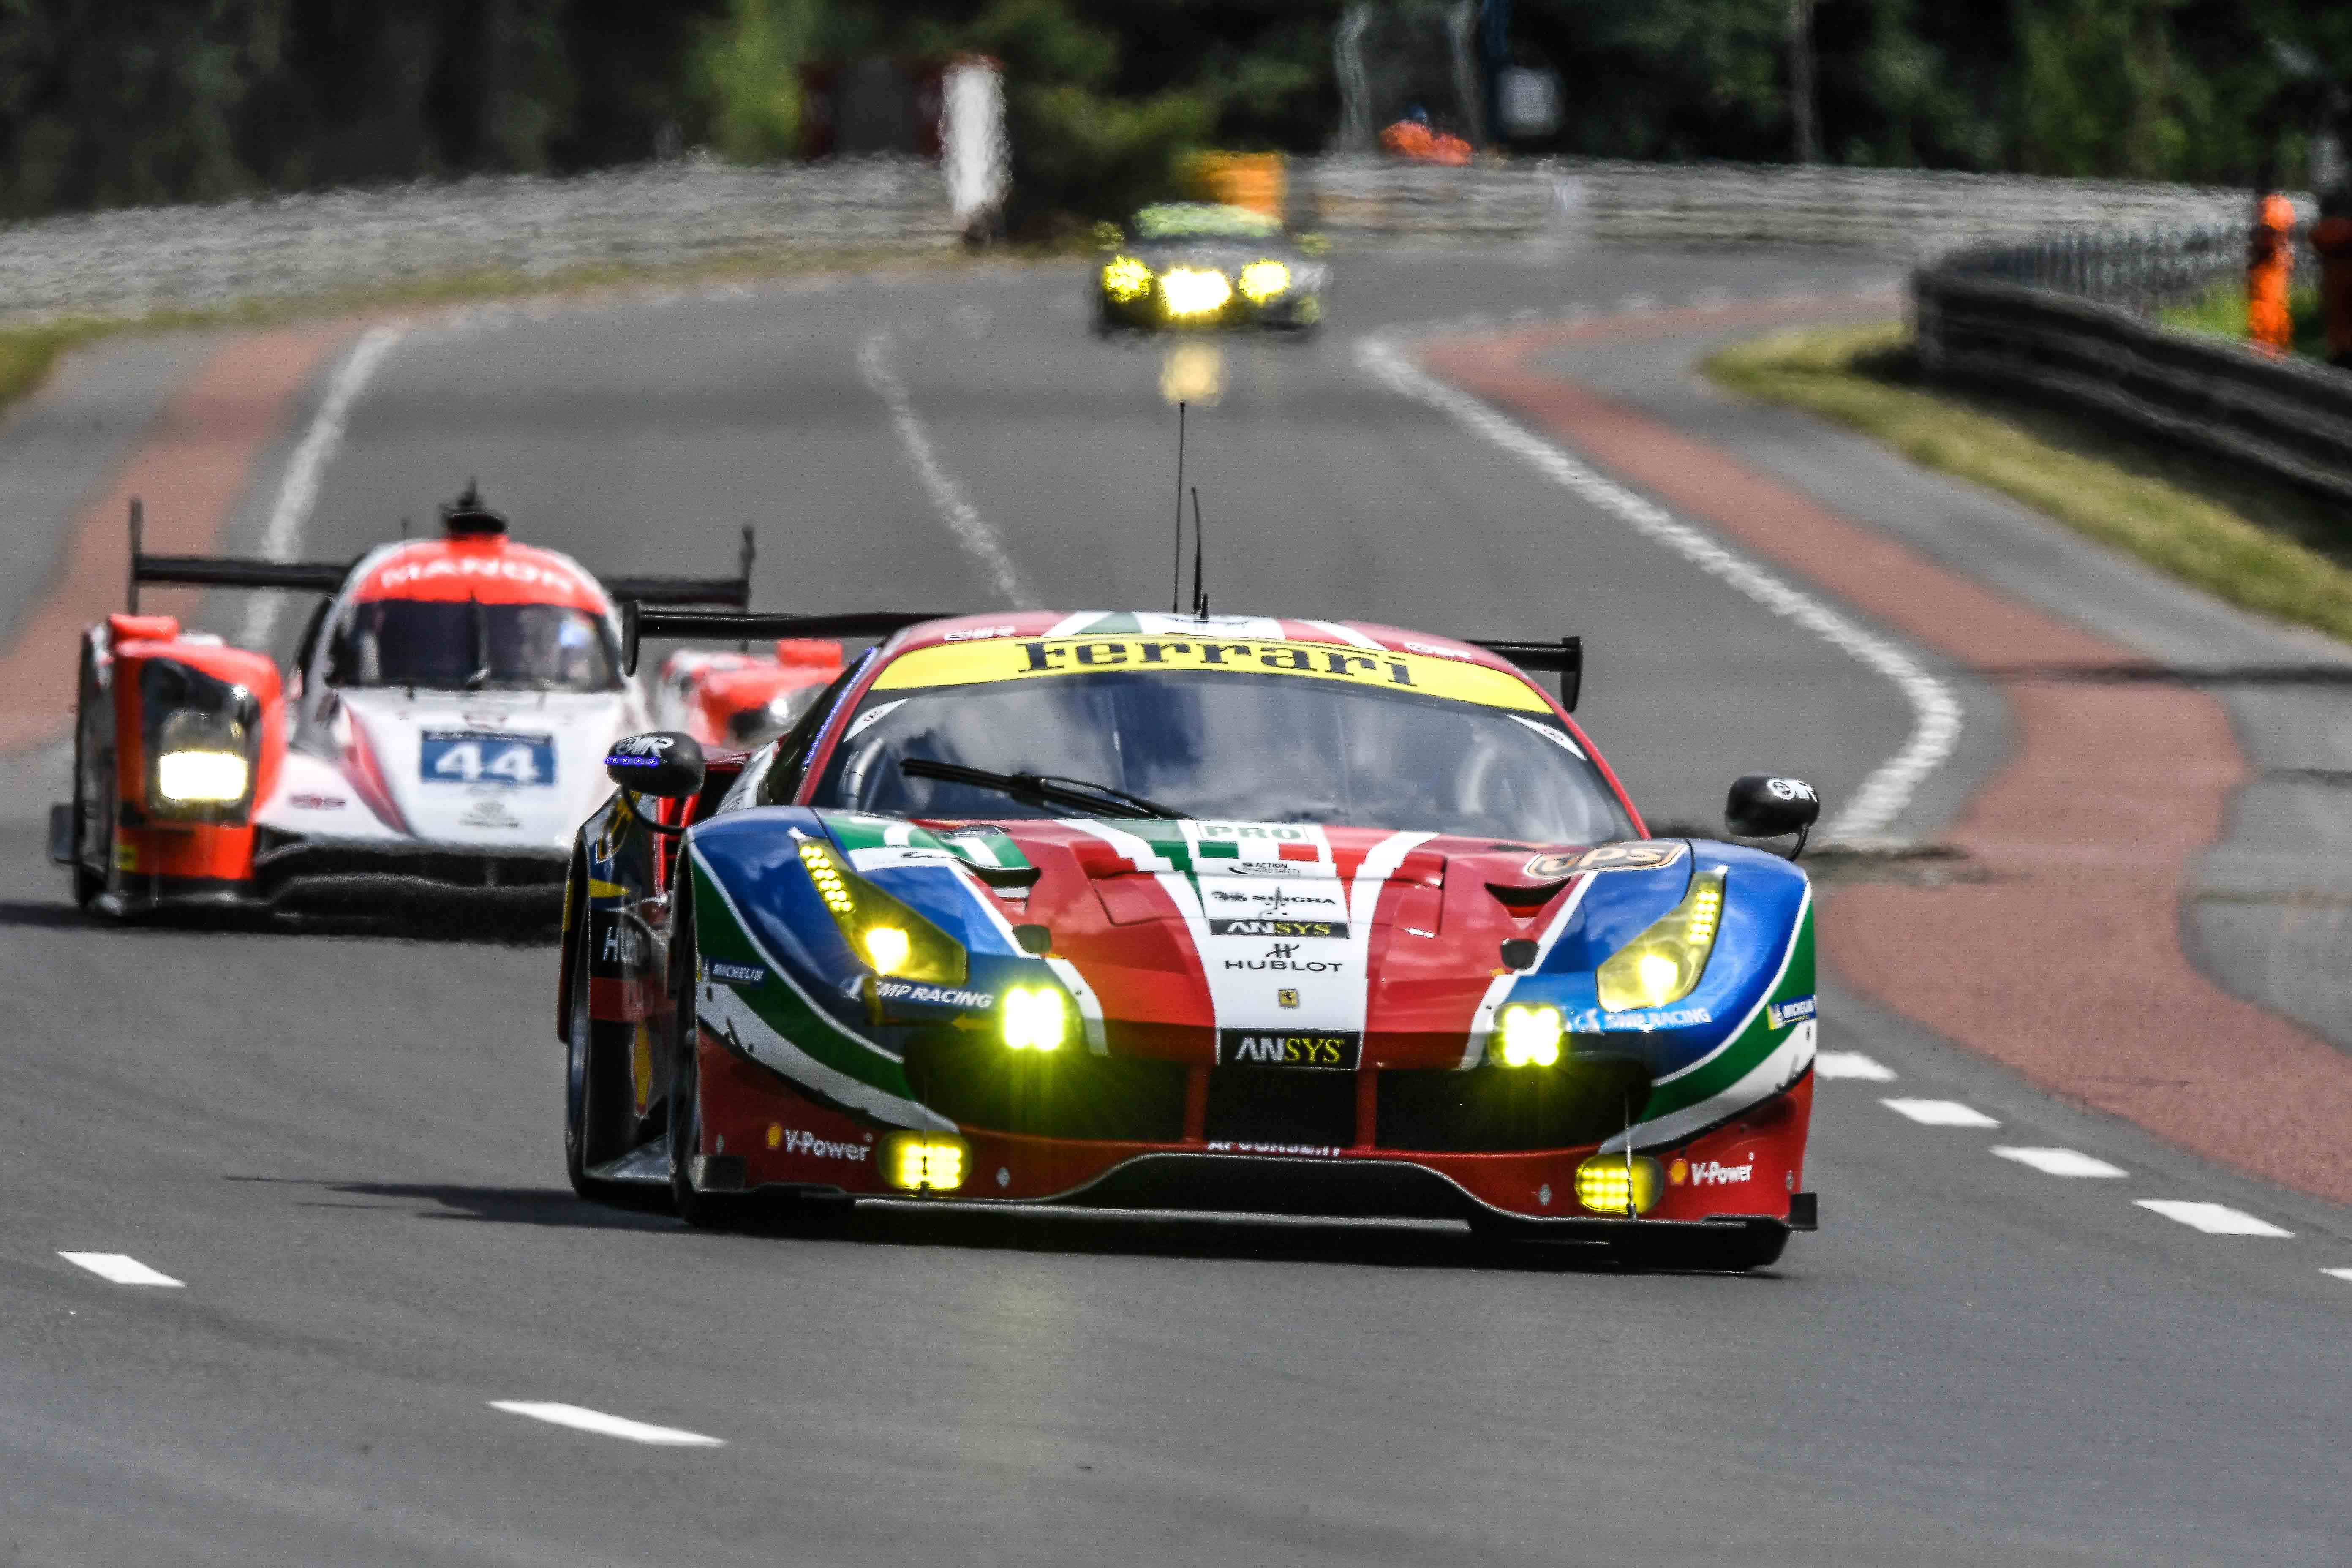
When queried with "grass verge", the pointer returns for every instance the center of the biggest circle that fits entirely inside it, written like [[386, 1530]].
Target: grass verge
[[2259, 546], [29, 353]]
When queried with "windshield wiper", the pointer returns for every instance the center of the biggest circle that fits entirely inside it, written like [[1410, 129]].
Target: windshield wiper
[[1043, 787]]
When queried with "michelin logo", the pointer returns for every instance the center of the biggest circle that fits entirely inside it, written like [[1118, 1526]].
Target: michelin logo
[[1784, 1014], [728, 973]]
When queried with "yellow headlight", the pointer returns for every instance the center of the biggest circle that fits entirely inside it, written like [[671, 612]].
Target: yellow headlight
[[1664, 962], [1035, 1020], [1262, 281], [1615, 1184], [208, 777], [1191, 292], [887, 948], [921, 1162], [1125, 279], [1531, 1036]]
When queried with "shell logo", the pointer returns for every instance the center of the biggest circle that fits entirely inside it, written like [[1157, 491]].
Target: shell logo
[[1678, 1172]]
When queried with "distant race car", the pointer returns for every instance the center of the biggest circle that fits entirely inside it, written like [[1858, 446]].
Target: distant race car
[[1193, 264], [734, 701], [442, 724], [1173, 911]]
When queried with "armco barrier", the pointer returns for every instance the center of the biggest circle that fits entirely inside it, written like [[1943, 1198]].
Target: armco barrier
[[139, 259], [2288, 418]]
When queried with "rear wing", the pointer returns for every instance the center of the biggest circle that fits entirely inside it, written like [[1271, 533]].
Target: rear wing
[[327, 576], [1564, 657], [639, 623]]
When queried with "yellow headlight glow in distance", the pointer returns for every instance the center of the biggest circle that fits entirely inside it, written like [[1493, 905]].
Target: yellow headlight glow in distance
[[1125, 279], [1262, 281], [1035, 1020], [1190, 291]]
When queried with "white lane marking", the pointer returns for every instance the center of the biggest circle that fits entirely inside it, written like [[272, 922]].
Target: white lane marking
[[974, 532], [121, 1268], [1939, 1112], [2338, 1273], [585, 1420], [297, 491], [2060, 1161], [1936, 713], [1852, 1064], [2213, 1220]]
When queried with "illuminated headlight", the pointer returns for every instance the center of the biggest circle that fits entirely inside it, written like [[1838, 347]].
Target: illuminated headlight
[[205, 778], [1035, 1020], [1664, 962], [1617, 1184], [1191, 292], [1531, 1036], [924, 1161], [886, 933], [1262, 281], [1125, 279]]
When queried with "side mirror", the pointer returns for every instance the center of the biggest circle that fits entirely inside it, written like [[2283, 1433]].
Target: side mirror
[[1762, 806], [664, 764]]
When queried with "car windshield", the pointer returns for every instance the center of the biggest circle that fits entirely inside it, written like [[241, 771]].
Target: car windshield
[[461, 646], [1232, 746], [1202, 220]]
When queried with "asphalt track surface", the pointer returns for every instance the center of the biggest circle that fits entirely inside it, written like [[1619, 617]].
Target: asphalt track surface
[[346, 1147]]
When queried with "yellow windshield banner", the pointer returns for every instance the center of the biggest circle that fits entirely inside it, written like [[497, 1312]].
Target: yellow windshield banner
[[1010, 659]]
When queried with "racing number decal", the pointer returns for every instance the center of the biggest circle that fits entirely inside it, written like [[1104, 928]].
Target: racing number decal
[[466, 756]]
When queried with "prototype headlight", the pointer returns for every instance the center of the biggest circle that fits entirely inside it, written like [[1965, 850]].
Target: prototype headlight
[[923, 1162], [886, 933], [1125, 279], [1262, 281], [1664, 962], [201, 732], [1190, 291], [1530, 1036]]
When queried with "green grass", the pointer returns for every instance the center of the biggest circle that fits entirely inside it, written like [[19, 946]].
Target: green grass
[[2264, 546], [29, 353]]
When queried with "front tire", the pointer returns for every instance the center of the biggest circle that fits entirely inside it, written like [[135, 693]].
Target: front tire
[[596, 1120], [704, 1211]]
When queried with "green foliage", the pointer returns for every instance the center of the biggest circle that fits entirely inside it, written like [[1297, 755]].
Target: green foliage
[[747, 69]]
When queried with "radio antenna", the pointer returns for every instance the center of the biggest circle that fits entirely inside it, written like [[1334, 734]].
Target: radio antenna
[[1200, 594], [1176, 562]]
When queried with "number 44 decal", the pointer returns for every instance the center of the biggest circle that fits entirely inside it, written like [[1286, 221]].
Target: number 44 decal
[[448, 757]]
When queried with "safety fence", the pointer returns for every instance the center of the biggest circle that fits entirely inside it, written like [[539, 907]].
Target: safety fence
[[2069, 321], [142, 259], [1918, 212]]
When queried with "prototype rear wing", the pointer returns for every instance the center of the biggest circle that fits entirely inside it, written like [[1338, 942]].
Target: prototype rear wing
[[327, 576], [1564, 657], [637, 623]]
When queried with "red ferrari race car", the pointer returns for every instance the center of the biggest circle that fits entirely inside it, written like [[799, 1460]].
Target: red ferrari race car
[[1189, 911], [735, 701], [441, 725]]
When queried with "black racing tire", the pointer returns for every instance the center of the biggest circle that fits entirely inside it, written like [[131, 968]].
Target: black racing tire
[[89, 885], [703, 1211], [597, 1118]]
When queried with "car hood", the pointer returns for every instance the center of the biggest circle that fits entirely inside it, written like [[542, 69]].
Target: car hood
[[504, 770]]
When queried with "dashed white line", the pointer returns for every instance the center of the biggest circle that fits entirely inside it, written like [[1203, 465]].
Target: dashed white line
[[2060, 1161], [121, 1268], [2338, 1273], [1939, 1112], [298, 492], [974, 532], [1852, 1064], [2213, 1220], [581, 1419], [1935, 711]]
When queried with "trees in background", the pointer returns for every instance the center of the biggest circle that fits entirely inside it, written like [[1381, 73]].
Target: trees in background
[[104, 103]]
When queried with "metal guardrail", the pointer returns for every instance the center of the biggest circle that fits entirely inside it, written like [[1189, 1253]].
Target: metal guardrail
[[2066, 320]]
